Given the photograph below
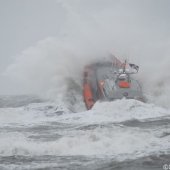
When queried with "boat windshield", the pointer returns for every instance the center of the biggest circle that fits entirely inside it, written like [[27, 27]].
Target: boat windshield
[[108, 88]]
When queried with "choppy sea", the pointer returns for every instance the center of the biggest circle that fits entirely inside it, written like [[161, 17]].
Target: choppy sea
[[37, 134]]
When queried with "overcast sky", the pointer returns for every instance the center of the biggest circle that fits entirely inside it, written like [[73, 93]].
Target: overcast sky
[[25, 22]]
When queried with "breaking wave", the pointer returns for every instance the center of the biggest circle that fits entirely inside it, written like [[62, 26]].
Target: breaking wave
[[101, 132], [55, 72]]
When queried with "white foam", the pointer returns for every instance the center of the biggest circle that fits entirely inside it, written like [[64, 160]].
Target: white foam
[[31, 114], [116, 142], [117, 111], [106, 139]]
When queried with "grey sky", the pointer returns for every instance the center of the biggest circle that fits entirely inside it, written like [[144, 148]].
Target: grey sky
[[25, 22]]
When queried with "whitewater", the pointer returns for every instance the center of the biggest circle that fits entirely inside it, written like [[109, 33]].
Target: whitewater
[[44, 123], [119, 134]]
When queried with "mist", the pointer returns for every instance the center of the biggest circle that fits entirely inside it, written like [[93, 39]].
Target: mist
[[74, 33]]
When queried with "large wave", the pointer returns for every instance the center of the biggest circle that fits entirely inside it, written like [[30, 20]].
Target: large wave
[[47, 129]]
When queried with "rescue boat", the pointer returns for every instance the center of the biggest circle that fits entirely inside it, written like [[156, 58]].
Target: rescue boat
[[110, 80]]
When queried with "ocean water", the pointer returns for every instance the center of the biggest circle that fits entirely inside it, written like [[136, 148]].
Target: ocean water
[[123, 134]]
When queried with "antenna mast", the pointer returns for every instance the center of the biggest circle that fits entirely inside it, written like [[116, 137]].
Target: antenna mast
[[124, 67]]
